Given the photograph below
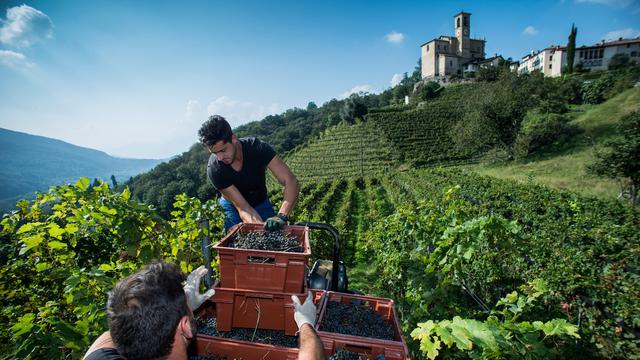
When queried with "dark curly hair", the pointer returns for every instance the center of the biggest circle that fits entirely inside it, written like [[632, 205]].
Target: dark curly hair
[[144, 310], [215, 129]]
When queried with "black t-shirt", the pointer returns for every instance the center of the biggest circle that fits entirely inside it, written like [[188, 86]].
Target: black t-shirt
[[104, 354], [250, 180]]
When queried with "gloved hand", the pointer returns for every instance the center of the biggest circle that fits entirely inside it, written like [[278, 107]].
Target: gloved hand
[[304, 313], [276, 222], [192, 289]]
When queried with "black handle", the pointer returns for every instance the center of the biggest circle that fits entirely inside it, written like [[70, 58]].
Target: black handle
[[336, 248], [206, 253]]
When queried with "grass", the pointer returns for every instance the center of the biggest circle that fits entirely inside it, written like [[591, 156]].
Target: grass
[[563, 165]]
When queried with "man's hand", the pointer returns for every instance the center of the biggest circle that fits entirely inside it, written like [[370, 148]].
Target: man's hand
[[304, 313], [192, 289], [276, 222]]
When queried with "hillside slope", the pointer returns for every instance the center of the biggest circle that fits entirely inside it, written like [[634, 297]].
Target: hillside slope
[[343, 151], [34, 163], [563, 165]]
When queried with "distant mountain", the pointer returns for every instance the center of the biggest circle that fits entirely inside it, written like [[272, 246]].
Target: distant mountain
[[30, 163]]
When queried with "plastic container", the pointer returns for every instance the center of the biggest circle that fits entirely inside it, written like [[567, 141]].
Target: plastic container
[[251, 309], [236, 349], [205, 345], [395, 349], [273, 271]]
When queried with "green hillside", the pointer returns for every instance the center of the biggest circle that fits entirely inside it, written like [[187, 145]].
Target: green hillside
[[343, 150], [563, 165], [31, 163]]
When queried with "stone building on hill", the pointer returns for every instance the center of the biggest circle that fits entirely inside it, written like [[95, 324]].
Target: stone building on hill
[[448, 55]]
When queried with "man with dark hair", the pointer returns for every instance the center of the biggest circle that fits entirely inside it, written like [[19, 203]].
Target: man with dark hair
[[237, 169], [150, 317]]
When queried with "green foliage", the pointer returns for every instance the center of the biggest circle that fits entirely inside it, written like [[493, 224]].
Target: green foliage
[[64, 251], [428, 91], [571, 48], [353, 109], [619, 61], [594, 91], [620, 157], [539, 130], [501, 335], [344, 151], [442, 251]]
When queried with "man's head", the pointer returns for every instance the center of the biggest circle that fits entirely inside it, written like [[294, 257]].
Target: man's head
[[146, 309], [217, 136]]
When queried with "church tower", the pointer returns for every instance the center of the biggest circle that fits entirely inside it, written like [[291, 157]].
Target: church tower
[[462, 23]]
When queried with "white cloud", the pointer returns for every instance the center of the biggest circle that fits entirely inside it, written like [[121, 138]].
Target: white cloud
[[14, 59], [396, 79], [241, 112], [530, 30], [25, 26], [356, 90], [612, 3], [627, 33], [394, 37], [193, 112]]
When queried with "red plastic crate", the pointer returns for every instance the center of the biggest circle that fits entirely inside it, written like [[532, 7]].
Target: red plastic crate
[[206, 345], [395, 349], [236, 349], [239, 308], [273, 271]]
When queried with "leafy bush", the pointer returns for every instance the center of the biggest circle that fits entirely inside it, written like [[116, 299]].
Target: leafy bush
[[619, 157], [594, 91], [539, 130], [619, 61], [63, 252], [502, 335]]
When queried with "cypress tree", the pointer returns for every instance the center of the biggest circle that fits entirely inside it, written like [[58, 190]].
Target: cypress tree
[[571, 48]]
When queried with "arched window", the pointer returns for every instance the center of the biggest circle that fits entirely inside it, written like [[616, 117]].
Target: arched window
[[458, 23]]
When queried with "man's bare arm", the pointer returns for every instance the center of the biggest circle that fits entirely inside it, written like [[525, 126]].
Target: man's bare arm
[[287, 179], [247, 213], [310, 344]]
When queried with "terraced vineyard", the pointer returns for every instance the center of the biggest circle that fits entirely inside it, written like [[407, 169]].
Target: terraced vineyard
[[343, 150], [423, 135]]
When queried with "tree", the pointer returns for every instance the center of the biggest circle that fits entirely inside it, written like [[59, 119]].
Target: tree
[[353, 108], [113, 181], [619, 159], [311, 106], [571, 48], [619, 61]]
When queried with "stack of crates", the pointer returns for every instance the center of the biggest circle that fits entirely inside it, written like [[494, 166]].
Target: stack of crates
[[254, 292]]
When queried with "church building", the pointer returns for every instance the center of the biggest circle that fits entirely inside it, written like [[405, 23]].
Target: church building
[[448, 55]]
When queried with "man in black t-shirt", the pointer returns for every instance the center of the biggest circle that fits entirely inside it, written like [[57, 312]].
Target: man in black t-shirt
[[237, 169]]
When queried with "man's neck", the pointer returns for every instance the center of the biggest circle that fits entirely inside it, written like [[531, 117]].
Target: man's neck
[[237, 162]]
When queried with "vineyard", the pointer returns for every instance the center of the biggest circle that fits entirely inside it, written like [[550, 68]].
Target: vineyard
[[508, 267], [447, 243], [352, 150], [478, 267]]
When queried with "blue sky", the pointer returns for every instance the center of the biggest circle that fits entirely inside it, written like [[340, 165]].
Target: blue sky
[[137, 78]]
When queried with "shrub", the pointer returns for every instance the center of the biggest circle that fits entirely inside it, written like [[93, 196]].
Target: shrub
[[593, 92], [539, 130]]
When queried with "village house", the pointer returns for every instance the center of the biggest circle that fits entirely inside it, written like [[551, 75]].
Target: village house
[[552, 61]]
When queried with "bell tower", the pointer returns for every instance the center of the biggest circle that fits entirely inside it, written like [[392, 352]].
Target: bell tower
[[462, 24]]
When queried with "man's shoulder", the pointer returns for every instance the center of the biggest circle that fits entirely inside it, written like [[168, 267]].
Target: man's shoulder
[[213, 162], [255, 144], [251, 141]]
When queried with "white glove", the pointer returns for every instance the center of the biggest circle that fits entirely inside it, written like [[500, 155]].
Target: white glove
[[305, 313], [192, 289]]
